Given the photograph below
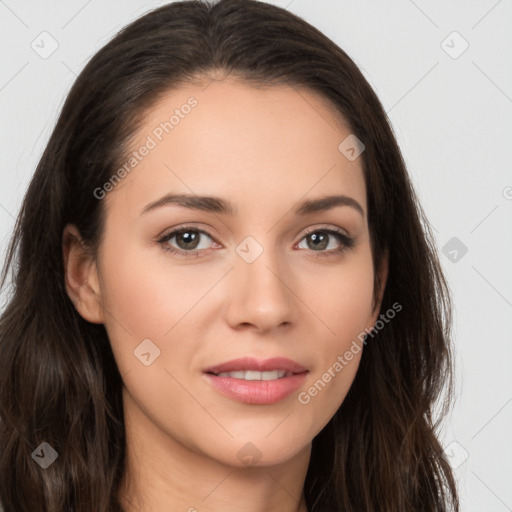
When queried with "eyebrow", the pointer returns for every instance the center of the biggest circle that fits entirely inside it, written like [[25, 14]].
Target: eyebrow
[[221, 206]]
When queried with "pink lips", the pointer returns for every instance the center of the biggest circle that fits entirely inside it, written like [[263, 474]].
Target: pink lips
[[249, 363], [261, 392]]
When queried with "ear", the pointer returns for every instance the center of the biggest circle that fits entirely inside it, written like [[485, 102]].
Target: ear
[[382, 278], [81, 276]]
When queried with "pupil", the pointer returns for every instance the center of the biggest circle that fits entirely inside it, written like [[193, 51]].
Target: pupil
[[322, 239], [188, 238]]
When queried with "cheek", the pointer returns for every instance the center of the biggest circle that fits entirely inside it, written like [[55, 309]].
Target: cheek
[[149, 295], [342, 298], [152, 297], [344, 304]]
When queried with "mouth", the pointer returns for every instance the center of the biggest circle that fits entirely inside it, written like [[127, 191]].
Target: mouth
[[254, 367], [251, 381], [255, 375]]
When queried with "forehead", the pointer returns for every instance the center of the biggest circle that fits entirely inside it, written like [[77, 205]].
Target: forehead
[[259, 146]]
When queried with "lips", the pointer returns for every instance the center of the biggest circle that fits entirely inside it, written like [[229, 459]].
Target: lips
[[255, 365], [256, 382]]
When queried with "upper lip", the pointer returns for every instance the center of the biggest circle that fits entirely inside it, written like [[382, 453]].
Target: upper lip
[[250, 363]]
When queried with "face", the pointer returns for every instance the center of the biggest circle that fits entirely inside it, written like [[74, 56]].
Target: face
[[262, 271]]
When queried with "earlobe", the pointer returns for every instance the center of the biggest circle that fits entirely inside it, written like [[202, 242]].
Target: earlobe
[[81, 276]]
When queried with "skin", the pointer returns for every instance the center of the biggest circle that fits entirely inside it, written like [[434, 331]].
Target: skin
[[264, 150]]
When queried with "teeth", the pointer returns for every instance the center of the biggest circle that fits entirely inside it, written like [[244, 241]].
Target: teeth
[[254, 375]]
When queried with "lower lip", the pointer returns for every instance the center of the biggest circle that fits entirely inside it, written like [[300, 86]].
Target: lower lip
[[260, 392]]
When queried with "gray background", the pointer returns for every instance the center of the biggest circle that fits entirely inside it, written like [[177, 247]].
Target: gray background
[[451, 111]]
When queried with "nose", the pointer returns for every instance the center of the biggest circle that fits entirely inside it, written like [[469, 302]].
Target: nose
[[261, 294]]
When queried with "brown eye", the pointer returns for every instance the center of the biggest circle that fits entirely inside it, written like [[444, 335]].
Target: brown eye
[[187, 240], [319, 240], [327, 241]]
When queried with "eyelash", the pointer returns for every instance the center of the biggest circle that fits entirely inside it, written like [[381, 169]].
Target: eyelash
[[347, 242]]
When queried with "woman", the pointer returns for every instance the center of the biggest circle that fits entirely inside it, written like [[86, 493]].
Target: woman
[[226, 295]]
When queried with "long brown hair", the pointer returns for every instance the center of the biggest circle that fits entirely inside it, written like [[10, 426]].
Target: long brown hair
[[59, 382]]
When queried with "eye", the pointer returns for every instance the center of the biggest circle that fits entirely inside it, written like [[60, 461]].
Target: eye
[[319, 239], [188, 239]]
